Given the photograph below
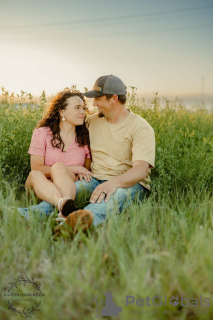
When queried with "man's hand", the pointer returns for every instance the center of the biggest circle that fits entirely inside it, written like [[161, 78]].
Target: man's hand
[[104, 190], [128, 179]]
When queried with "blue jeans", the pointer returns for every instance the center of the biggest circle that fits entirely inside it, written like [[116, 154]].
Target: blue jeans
[[119, 200]]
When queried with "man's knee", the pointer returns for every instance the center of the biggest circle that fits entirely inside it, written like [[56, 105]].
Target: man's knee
[[120, 193], [133, 191]]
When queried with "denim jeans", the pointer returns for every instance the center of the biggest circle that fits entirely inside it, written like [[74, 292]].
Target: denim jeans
[[118, 201]]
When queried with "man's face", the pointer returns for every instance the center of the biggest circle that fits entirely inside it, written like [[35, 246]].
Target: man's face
[[104, 106]]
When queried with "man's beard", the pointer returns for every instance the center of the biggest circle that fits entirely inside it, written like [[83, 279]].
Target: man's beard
[[100, 115]]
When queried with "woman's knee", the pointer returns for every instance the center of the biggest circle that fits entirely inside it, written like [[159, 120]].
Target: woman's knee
[[58, 166], [33, 176], [28, 183]]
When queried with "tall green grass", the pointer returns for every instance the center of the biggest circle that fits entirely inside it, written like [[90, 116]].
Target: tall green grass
[[159, 247]]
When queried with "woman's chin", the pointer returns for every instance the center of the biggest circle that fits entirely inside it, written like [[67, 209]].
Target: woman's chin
[[80, 123]]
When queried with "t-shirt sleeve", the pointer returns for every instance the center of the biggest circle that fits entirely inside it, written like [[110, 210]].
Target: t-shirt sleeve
[[143, 147], [38, 143], [87, 152]]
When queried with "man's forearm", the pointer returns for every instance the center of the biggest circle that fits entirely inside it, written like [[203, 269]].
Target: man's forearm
[[138, 172], [131, 177]]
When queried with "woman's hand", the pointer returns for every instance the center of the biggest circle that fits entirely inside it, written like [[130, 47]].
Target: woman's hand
[[80, 170], [86, 177], [76, 177]]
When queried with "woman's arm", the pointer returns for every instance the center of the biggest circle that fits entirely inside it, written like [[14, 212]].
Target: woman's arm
[[87, 177], [82, 169], [37, 163], [88, 163]]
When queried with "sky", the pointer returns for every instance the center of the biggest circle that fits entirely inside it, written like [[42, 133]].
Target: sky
[[163, 46]]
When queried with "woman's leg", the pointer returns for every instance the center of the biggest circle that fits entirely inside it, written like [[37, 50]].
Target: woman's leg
[[63, 180], [43, 188]]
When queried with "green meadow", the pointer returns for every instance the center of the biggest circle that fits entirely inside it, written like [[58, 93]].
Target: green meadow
[[161, 247]]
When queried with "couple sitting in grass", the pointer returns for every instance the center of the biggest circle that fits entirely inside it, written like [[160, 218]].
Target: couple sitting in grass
[[108, 154]]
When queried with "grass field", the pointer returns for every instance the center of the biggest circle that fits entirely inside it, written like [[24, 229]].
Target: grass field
[[161, 247]]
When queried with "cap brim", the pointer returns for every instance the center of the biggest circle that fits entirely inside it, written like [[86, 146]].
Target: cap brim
[[93, 94]]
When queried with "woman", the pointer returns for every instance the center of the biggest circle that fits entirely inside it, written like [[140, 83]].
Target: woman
[[59, 152]]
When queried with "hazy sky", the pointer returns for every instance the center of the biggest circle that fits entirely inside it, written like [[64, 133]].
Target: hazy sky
[[155, 45]]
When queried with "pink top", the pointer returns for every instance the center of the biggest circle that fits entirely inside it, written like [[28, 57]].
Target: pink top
[[41, 146]]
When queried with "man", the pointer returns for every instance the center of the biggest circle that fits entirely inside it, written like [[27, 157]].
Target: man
[[123, 152]]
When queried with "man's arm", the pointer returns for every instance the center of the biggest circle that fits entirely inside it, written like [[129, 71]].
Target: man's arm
[[138, 172]]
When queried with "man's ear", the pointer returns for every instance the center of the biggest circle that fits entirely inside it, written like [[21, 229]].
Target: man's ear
[[115, 98]]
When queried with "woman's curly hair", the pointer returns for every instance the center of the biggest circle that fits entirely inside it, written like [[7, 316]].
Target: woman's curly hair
[[52, 116]]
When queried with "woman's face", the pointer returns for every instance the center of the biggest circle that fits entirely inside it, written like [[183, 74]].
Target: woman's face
[[74, 112]]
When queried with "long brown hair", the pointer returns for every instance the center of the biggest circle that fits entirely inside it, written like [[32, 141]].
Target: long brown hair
[[51, 119]]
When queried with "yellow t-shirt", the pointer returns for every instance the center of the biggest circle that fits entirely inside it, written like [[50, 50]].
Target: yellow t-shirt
[[114, 146]]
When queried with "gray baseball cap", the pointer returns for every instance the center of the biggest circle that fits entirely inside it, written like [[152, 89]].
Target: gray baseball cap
[[106, 85]]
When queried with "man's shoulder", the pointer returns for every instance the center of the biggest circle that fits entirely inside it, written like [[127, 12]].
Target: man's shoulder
[[94, 118], [139, 122]]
